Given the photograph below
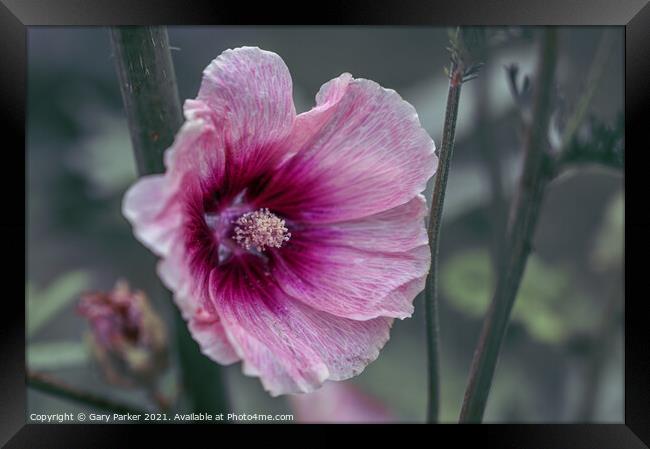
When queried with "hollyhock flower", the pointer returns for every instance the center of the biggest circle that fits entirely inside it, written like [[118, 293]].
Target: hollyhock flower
[[127, 337], [291, 242], [339, 403]]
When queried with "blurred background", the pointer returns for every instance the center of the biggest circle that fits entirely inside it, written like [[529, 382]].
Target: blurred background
[[562, 360]]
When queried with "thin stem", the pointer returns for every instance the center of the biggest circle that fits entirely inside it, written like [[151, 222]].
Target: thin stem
[[150, 95], [433, 230], [50, 385], [523, 218]]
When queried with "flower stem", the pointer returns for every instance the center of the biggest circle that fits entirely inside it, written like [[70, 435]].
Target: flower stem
[[150, 95], [433, 230], [523, 218], [48, 384]]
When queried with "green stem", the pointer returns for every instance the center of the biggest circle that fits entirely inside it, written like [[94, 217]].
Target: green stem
[[50, 385], [433, 230], [150, 95], [523, 218]]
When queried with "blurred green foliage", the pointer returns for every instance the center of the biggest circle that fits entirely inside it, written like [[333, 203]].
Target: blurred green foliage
[[43, 305], [53, 355], [548, 305], [608, 245]]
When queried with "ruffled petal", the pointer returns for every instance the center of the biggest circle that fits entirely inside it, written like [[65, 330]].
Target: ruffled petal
[[153, 204], [398, 229], [202, 320], [350, 282], [146, 205], [290, 346], [209, 333], [247, 93], [361, 151]]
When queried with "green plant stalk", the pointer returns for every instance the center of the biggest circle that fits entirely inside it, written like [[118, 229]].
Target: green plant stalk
[[433, 230], [521, 225], [150, 95]]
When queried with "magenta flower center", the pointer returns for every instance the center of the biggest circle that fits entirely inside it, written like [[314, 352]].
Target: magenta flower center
[[260, 229]]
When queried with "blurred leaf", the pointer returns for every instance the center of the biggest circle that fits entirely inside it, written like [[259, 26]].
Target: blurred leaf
[[547, 305], [56, 355], [467, 281], [608, 247], [42, 306]]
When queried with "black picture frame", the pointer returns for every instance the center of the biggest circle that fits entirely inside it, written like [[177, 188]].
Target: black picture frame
[[17, 15]]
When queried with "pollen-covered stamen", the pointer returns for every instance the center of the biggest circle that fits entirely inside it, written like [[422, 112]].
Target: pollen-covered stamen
[[260, 229]]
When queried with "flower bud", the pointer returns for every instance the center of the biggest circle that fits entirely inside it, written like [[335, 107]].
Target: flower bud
[[127, 337]]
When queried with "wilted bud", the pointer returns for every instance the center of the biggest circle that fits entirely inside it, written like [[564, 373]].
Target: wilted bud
[[128, 338]]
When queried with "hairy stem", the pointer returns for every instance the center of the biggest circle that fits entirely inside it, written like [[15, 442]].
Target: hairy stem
[[433, 230], [521, 225], [150, 95], [50, 385]]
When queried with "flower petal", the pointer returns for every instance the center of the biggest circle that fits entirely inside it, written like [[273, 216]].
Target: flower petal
[[249, 95], [277, 336], [366, 153], [203, 322], [153, 205], [153, 218], [350, 282], [212, 339], [398, 229]]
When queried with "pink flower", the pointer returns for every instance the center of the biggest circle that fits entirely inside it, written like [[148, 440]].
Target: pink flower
[[339, 402], [290, 242]]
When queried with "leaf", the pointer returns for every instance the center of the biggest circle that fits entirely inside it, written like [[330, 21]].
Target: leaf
[[467, 281], [547, 304], [45, 304], [56, 355]]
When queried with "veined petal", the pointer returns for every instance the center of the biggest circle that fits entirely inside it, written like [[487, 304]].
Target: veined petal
[[247, 94], [398, 229], [350, 282], [280, 337], [209, 333], [202, 320], [152, 205], [146, 205], [362, 151]]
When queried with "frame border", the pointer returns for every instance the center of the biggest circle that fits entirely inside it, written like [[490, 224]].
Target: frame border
[[17, 15]]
